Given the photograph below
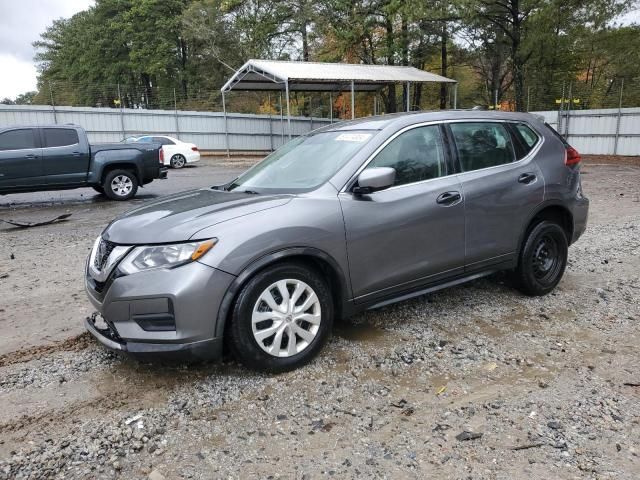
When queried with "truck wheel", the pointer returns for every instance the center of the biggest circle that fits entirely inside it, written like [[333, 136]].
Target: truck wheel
[[542, 260], [178, 161], [281, 319], [98, 189], [120, 185]]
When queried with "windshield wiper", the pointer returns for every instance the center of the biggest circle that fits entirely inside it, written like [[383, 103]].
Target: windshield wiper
[[250, 192]]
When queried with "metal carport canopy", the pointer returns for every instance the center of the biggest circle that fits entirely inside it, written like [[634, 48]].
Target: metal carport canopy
[[323, 77], [278, 75]]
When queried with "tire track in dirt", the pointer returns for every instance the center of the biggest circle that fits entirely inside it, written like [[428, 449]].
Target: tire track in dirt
[[72, 344]]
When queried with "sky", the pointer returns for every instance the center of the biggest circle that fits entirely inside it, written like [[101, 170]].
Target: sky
[[21, 23]]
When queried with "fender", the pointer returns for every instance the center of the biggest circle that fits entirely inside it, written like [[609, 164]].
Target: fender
[[106, 158], [227, 301], [535, 211]]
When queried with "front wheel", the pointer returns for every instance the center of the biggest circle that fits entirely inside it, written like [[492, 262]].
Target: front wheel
[[282, 318], [120, 185], [542, 260]]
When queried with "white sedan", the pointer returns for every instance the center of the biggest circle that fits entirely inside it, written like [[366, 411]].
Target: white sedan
[[176, 153]]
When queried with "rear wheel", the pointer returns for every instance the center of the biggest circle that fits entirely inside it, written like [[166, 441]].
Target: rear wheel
[[281, 319], [120, 185], [178, 161], [542, 260]]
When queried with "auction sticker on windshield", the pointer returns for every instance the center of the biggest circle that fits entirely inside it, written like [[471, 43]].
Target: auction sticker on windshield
[[353, 137]]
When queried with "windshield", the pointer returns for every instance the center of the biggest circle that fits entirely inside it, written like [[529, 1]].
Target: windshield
[[303, 163]]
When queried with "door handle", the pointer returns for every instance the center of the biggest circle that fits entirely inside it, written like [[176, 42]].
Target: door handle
[[449, 198], [527, 178], [76, 154], [30, 156]]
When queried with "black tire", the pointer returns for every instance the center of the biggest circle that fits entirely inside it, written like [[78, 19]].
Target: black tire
[[115, 193], [245, 347], [543, 259], [98, 189], [178, 161]]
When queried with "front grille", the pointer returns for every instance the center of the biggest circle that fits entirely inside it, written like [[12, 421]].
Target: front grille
[[102, 255]]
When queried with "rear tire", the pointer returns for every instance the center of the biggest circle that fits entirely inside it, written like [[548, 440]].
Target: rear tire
[[543, 259], [120, 185], [290, 327], [178, 161]]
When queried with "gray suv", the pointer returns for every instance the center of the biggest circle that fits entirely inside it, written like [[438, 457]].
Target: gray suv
[[350, 217]]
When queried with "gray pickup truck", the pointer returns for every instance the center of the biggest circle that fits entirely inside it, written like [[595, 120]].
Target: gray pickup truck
[[59, 157]]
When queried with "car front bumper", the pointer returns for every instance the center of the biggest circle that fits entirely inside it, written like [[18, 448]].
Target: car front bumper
[[165, 311]]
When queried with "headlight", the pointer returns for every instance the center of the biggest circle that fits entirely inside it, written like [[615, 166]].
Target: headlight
[[164, 256]]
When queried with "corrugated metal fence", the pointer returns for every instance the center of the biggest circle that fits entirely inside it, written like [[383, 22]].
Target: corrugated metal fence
[[607, 131], [205, 129]]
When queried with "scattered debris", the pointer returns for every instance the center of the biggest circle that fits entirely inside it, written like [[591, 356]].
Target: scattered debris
[[554, 425], [631, 384], [441, 390], [407, 412], [399, 404], [466, 435], [135, 418], [528, 446], [15, 223], [440, 427]]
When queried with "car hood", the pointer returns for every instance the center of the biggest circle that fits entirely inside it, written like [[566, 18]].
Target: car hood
[[180, 217]]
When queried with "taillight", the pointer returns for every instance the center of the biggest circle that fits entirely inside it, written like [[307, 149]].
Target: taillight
[[161, 156], [195, 149], [571, 157]]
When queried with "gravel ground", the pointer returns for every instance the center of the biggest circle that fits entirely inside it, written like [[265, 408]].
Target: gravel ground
[[473, 382]]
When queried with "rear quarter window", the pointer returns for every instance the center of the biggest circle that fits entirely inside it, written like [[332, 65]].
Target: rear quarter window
[[525, 139], [60, 137]]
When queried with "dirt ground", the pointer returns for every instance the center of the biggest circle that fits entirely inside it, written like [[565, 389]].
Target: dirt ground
[[544, 387]]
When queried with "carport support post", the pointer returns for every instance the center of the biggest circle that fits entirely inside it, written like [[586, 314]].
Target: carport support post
[[270, 125], [226, 127], [455, 95], [286, 89], [330, 107], [353, 100], [615, 144], [281, 121], [408, 97]]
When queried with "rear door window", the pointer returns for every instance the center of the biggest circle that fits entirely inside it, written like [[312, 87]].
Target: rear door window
[[20, 139], [60, 137], [482, 145]]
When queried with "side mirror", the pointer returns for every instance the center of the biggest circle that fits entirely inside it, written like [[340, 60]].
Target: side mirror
[[374, 179]]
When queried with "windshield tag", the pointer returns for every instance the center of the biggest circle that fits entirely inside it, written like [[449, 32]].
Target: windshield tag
[[353, 137]]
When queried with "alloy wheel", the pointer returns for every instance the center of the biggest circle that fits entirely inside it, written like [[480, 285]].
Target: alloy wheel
[[178, 161], [121, 185]]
